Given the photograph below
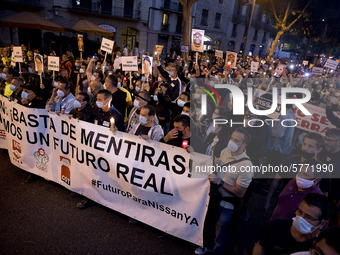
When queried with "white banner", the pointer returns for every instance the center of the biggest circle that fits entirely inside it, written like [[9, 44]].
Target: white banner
[[53, 63], [107, 45], [231, 59], [146, 180], [219, 53], [18, 54], [254, 66], [129, 63], [197, 41], [331, 64], [317, 71]]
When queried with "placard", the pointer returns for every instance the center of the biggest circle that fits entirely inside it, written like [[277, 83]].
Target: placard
[[305, 63], [80, 40], [331, 64], [129, 64], [254, 67], [53, 63], [18, 54], [157, 51], [317, 71], [197, 40], [147, 64], [107, 45], [231, 59], [184, 48], [219, 53], [39, 63]]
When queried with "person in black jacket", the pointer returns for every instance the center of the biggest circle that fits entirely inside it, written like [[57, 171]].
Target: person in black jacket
[[82, 109], [118, 96]]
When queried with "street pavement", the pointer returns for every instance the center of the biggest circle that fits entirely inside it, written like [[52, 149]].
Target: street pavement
[[42, 218]]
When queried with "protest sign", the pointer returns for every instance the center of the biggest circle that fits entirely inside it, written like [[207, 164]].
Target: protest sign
[[331, 64], [18, 54], [254, 66], [39, 63], [157, 51], [231, 59], [129, 63], [305, 63], [219, 53], [147, 66], [80, 42], [107, 45], [53, 63], [145, 180], [317, 71], [279, 70], [184, 48], [197, 41]]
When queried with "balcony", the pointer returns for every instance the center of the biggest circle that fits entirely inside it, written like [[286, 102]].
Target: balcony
[[172, 6]]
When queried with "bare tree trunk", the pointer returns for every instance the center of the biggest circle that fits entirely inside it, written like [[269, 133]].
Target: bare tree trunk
[[186, 29], [305, 51], [278, 35]]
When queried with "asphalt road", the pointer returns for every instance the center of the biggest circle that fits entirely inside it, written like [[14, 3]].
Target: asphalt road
[[42, 218]]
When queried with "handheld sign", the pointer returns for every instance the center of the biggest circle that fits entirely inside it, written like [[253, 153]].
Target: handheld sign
[[219, 53], [80, 42], [254, 66], [157, 51], [317, 71], [107, 45], [231, 59], [305, 62], [39, 63], [18, 54], [197, 41], [184, 48], [129, 64], [331, 64], [53, 63]]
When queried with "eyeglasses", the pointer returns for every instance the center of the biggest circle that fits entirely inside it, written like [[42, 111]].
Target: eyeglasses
[[307, 217]]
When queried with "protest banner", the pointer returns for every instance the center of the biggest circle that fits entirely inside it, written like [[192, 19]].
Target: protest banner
[[331, 64], [129, 64], [317, 71], [145, 180], [18, 54], [107, 45], [231, 59], [254, 66], [184, 48], [53, 63], [197, 41], [219, 53]]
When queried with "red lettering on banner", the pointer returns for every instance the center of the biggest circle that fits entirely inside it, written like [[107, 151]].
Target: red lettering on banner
[[304, 124], [315, 117], [315, 127], [324, 120]]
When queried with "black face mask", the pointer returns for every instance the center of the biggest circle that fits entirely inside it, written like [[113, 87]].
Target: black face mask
[[179, 134], [307, 155]]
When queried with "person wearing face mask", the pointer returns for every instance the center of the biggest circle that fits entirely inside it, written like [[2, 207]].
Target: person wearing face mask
[[232, 186], [286, 236], [82, 109], [118, 96], [141, 99], [147, 127], [16, 87], [296, 189], [80, 77], [177, 109], [92, 91], [9, 73], [105, 111], [312, 145], [31, 98], [62, 100], [163, 113]]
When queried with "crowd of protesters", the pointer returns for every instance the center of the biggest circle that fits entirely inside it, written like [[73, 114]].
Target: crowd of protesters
[[165, 105]]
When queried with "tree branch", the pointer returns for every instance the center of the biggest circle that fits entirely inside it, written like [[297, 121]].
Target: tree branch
[[287, 11], [303, 11], [274, 11], [182, 2]]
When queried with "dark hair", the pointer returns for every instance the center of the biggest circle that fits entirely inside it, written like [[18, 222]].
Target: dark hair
[[245, 133], [152, 111], [320, 141], [186, 94], [332, 237], [333, 132], [319, 201], [107, 94], [86, 97], [66, 82], [113, 79], [184, 119], [147, 59], [187, 104], [144, 95]]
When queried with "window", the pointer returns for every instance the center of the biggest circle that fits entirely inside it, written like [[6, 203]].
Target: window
[[204, 18], [234, 32], [217, 20], [165, 19], [255, 35], [179, 24], [129, 36], [264, 37], [231, 45]]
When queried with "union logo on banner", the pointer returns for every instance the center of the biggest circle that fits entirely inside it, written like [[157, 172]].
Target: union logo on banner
[[42, 158], [16, 151], [2, 134], [65, 170]]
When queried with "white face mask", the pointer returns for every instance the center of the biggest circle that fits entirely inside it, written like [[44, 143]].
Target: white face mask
[[172, 74], [143, 120], [232, 146], [160, 79], [136, 104], [60, 93], [77, 104], [3, 76], [30, 70], [100, 105], [304, 183], [81, 70], [55, 84], [155, 98], [143, 78], [185, 113], [24, 95], [118, 85], [12, 87], [303, 226], [137, 89], [180, 103]]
